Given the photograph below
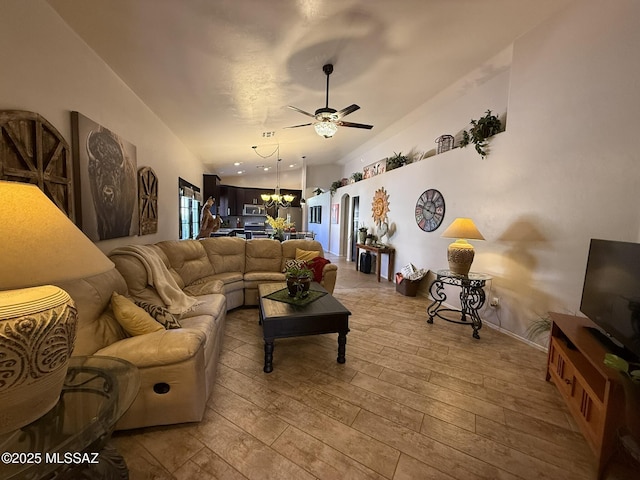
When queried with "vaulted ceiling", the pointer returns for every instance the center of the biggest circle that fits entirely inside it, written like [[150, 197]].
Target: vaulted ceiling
[[221, 73]]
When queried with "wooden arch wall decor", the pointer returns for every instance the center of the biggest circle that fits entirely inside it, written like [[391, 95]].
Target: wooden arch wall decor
[[147, 201], [33, 151]]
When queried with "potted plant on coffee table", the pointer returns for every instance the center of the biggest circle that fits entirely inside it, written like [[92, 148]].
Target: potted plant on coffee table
[[298, 280]]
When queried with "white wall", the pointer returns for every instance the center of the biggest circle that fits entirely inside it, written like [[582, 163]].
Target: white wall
[[320, 229], [566, 169], [48, 69]]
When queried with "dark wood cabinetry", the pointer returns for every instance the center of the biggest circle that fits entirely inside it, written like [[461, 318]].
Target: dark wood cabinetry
[[233, 199], [210, 187], [591, 390]]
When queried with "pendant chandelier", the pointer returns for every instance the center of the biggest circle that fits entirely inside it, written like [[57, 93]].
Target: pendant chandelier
[[275, 199]]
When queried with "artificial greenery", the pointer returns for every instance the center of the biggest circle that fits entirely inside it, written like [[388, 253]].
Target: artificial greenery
[[356, 176], [397, 160], [302, 271], [539, 327], [481, 130], [335, 186], [628, 369], [318, 191]]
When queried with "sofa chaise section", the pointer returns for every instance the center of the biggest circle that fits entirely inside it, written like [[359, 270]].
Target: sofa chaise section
[[177, 367]]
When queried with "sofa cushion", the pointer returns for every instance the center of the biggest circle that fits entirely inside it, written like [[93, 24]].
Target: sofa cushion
[[133, 319], [306, 255], [252, 279], [293, 263], [263, 255], [226, 254], [205, 286], [97, 326], [160, 314], [188, 258]]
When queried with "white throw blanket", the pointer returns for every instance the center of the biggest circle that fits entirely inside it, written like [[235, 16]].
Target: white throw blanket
[[160, 278]]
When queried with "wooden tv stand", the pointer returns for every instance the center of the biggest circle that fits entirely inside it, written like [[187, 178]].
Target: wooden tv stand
[[591, 390]]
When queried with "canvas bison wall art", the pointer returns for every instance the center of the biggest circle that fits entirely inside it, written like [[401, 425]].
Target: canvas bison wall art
[[108, 180]]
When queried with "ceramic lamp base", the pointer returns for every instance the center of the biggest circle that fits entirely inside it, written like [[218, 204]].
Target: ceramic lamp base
[[460, 256], [37, 335]]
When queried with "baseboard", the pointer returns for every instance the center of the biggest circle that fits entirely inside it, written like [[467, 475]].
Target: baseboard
[[506, 332]]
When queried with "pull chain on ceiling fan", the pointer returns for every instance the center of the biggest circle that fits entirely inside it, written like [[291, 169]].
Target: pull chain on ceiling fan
[[328, 119]]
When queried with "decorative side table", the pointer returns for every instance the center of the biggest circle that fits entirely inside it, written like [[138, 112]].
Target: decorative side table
[[472, 297], [70, 441], [378, 251]]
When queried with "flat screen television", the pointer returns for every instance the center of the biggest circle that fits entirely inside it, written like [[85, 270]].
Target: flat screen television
[[611, 292]]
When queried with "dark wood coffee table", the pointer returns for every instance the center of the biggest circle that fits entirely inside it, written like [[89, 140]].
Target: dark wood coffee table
[[283, 320]]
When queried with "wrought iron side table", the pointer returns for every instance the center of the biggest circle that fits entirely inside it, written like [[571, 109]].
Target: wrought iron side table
[[472, 297], [70, 441]]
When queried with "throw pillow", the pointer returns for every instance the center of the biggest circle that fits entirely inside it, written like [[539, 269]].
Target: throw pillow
[[306, 254], [316, 265], [163, 316], [133, 319], [294, 264]]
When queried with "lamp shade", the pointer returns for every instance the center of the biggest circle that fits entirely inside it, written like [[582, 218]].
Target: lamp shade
[[463, 228], [39, 244], [460, 253]]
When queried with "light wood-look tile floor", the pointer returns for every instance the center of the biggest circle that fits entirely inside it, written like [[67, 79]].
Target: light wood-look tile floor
[[413, 401]]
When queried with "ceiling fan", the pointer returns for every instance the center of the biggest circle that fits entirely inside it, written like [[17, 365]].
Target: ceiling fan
[[327, 119]]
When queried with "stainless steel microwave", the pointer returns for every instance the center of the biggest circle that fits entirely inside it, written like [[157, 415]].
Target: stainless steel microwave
[[254, 210]]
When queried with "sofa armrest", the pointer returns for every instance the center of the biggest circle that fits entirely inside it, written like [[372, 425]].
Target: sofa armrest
[[329, 276], [163, 347]]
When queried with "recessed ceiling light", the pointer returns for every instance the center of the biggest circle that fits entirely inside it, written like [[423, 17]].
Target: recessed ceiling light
[[292, 165], [236, 164], [240, 172], [266, 169]]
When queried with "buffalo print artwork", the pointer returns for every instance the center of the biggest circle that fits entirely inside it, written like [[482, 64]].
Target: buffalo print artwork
[[108, 181]]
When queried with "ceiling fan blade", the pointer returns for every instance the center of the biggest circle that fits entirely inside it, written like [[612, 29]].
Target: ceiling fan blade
[[301, 111], [346, 111], [355, 125], [302, 125]]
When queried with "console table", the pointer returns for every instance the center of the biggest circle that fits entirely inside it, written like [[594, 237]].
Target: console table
[[472, 297], [591, 390], [70, 441], [378, 251]]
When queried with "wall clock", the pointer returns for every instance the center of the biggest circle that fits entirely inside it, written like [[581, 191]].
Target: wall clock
[[430, 210]]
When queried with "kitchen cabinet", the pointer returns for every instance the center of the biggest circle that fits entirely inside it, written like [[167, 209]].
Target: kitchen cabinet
[[233, 199]]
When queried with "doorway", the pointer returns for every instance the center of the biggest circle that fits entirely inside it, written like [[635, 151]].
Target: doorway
[[355, 220]]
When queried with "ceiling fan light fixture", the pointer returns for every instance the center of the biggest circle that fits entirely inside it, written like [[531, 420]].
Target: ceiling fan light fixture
[[325, 129]]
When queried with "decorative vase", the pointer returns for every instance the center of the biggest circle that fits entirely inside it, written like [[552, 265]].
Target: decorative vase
[[362, 237], [37, 335], [298, 286], [278, 235]]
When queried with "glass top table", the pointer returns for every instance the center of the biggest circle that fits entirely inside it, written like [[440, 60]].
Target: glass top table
[[70, 440], [472, 298]]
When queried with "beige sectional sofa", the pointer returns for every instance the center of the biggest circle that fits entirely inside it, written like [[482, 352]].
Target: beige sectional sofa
[[231, 266], [177, 367]]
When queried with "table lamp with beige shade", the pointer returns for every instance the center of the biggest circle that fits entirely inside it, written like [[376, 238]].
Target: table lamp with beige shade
[[39, 245], [460, 253]]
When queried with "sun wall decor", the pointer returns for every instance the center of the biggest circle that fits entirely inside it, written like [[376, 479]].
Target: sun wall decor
[[380, 206]]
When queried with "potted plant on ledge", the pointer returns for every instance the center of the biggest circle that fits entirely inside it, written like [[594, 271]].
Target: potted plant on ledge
[[481, 130]]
